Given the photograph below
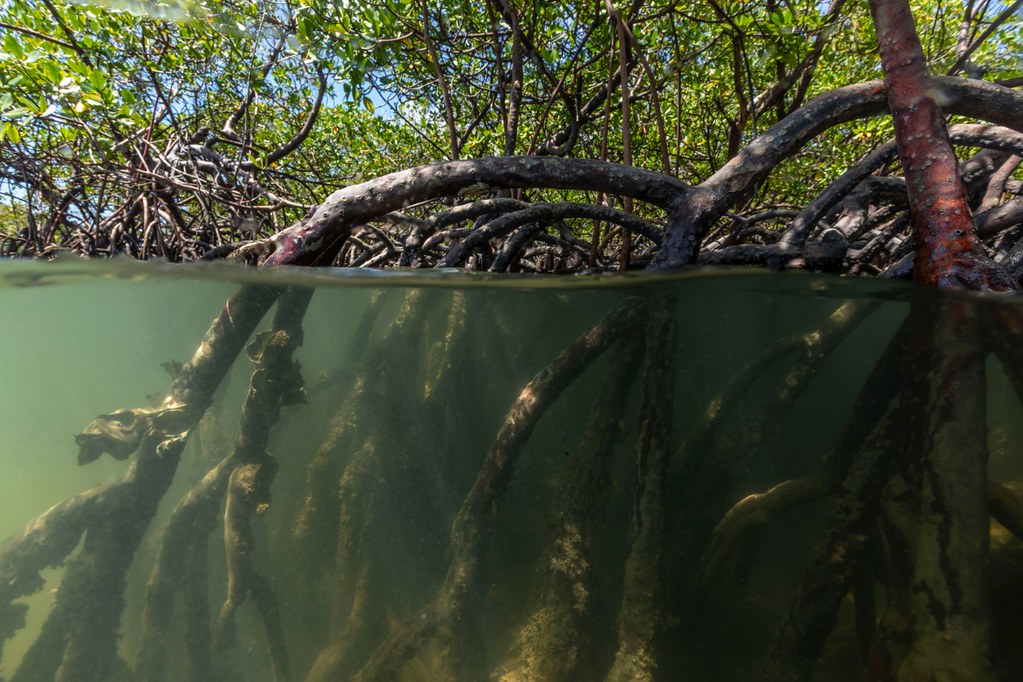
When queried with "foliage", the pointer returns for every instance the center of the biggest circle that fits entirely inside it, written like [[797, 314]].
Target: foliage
[[171, 128]]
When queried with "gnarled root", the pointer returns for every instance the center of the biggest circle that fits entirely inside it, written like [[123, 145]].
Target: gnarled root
[[549, 647], [640, 617], [446, 628]]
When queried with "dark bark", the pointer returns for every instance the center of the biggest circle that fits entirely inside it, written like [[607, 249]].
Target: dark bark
[[821, 255], [427, 228], [693, 217], [1000, 218], [332, 221], [545, 213], [988, 137]]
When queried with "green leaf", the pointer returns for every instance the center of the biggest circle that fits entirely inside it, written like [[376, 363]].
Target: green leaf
[[11, 133], [13, 46], [51, 72], [16, 113], [98, 80]]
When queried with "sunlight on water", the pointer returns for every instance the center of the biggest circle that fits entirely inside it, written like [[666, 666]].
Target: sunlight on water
[[410, 381]]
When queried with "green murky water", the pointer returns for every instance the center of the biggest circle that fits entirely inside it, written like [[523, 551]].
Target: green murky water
[[410, 379]]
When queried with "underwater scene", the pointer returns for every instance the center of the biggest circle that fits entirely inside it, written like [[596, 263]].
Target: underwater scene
[[221, 475]]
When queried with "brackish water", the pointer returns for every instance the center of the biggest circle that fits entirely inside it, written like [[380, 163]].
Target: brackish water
[[409, 379]]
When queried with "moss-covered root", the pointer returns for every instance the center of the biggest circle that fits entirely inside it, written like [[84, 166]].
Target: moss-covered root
[[247, 494], [356, 620], [936, 623], [550, 643], [80, 638], [811, 351], [950, 607], [830, 572], [245, 475], [443, 635], [639, 617], [899, 506], [181, 562], [348, 515], [316, 525]]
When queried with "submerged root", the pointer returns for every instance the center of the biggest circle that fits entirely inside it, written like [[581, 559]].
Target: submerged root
[[1006, 507], [437, 619], [245, 476], [811, 350], [950, 609], [447, 626], [866, 455], [248, 494], [358, 504], [640, 615], [829, 575], [708, 528], [757, 511], [355, 583], [846, 469], [315, 527], [550, 644]]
